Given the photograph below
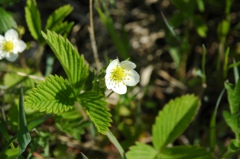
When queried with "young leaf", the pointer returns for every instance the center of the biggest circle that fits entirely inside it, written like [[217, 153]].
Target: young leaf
[[33, 20], [96, 110], [6, 21], [73, 64], [23, 135], [185, 152], [174, 119], [233, 96], [63, 28], [54, 95], [142, 151], [58, 16]]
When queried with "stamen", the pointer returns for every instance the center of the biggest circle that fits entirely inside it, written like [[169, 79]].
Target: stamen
[[118, 74], [8, 46]]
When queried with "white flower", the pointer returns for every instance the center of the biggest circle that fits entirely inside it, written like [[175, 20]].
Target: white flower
[[120, 75], [11, 45]]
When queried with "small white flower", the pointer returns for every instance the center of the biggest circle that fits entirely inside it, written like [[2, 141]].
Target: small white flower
[[120, 75], [11, 45]]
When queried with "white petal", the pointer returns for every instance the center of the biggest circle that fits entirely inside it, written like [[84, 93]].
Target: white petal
[[2, 55], [112, 65], [11, 34], [2, 39], [21, 46], [120, 88], [128, 65], [132, 79], [12, 57], [15, 48], [108, 82]]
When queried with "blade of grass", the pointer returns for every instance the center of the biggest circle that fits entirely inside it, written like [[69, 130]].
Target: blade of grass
[[213, 122], [23, 135], [115, 142]]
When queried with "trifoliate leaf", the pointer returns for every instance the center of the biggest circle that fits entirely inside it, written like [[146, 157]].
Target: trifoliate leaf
[[96, 110], [142, 151], [33, 20], [54, 95], [174, 119], [73, 64], [58, 16]]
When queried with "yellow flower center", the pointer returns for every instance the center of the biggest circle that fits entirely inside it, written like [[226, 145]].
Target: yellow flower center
[[118, 74], [8, 46]]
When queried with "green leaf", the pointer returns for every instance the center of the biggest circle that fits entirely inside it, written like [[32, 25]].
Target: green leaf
[[11, 153], [185, 152], [58, 16], [142, 151], [54, 95], [3, 131], [72, 123], [33, 124], [73, 64], [233, 96], [174, 119], [97, 110], [33, 20], [63, 28], [6, 21], [232, 121], [234, 146], [23, 135]]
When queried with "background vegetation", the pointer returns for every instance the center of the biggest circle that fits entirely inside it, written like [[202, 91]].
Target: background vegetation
[[179, 46]]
